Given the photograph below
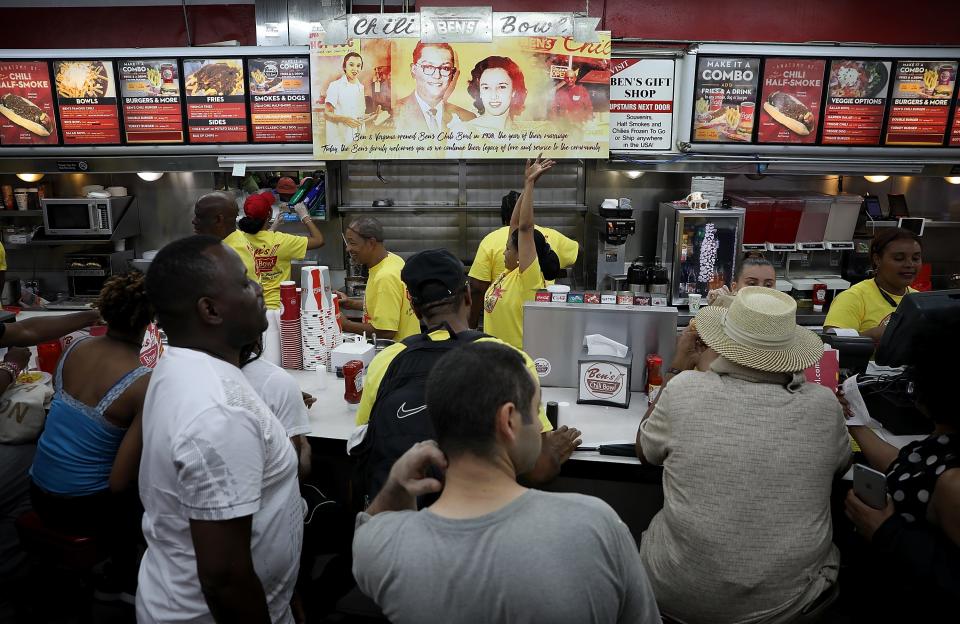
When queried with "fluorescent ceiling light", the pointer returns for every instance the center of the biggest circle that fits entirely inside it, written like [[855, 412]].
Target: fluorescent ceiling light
[[953, 179], [30, 177], [150, 176], [876, 178], [633, 174]]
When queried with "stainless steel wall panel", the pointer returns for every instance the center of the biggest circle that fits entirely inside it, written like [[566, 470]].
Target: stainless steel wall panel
[[270, 15]]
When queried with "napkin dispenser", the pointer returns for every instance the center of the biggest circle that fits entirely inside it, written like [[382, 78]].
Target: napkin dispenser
[[352, 351], [604, 378]]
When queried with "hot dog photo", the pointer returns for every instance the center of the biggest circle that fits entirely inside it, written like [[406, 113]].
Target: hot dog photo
[[790, 100], [26, 104]]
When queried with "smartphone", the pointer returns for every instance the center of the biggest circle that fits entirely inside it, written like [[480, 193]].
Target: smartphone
[[870, 485]]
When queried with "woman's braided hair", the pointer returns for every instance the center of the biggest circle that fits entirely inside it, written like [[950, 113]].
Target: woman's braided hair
[[123, 303]]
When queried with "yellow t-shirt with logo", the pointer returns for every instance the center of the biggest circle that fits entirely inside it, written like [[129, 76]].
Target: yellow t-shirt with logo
[[488, 263], [861, 307], [3, 258], [385, 304], [271, 253], [235, 240], [378, 368], [503, 303]]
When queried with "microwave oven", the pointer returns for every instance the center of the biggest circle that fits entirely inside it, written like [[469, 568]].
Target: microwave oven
[[83, 216]]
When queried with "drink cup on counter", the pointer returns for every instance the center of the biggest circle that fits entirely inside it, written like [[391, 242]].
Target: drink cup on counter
[[694, 300], [20, 197]]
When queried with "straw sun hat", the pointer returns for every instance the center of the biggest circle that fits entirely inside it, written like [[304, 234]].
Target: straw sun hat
[[759, 330]]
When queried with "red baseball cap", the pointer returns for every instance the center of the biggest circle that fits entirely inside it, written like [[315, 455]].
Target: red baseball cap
[[286, 186], [259, 206]]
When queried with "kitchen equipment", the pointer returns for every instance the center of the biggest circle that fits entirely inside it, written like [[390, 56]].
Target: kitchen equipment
[[813, 221], [611, 227], [86, 274], [843, 217], [82, 216], [698, 247], [758, 213], [637, 276]]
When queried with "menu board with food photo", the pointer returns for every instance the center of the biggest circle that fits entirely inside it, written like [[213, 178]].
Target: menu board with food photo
[[790, 100], [922, 93], [151, 101], [955, 133], [856, 102], [26, 103], [725, 99], [216, 100], [87, 98], [280, 99]]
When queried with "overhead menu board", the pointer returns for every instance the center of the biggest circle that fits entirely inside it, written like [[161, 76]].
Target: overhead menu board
[[955, 133], [790, 100], [922, 94], [856, 102], [280, 99], [641, 104], [26, 103], [216, 100], [150, 90], [725, 99], [87, 98]]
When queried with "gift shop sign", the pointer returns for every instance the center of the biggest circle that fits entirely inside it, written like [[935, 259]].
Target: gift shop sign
[[641, 104]]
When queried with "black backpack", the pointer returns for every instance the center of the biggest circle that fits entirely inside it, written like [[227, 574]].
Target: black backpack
[[399, 418]]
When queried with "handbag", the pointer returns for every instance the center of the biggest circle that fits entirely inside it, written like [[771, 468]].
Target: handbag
[[23, 410]]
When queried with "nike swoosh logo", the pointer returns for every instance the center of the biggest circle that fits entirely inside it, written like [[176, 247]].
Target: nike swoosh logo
[[403, 413]]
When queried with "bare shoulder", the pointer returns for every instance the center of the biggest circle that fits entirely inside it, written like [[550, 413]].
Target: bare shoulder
[[947, 490]]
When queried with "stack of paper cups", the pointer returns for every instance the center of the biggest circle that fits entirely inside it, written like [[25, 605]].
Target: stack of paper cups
[[318, 320], [271, 338], [291, 346], [315, 281]]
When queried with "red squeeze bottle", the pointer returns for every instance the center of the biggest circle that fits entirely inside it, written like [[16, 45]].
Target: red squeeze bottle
[[654, 377], [353, 381]]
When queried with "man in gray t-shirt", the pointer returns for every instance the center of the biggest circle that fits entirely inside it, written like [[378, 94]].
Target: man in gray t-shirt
[[490, 550]]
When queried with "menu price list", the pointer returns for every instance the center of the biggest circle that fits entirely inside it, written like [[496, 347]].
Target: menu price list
[[955, 133], [216, 100], [280, 99], [921, 102], [856, 102], [151, 101], [26, 104], [87, 99]]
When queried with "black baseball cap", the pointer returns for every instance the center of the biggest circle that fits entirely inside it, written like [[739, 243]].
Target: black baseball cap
[[432, 275]]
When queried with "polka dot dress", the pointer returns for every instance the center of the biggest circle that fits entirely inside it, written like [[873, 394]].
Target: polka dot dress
[[913, 475]]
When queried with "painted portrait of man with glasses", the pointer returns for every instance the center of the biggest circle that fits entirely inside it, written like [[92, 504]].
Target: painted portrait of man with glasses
[[426, 109]]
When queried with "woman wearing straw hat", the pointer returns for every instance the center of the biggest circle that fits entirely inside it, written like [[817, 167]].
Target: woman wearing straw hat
[[749, 452]]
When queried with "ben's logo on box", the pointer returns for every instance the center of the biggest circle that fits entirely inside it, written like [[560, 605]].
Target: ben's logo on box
[[603, 380]]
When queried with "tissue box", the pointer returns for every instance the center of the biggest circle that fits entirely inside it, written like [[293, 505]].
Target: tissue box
[[605, 379], [352, 351]]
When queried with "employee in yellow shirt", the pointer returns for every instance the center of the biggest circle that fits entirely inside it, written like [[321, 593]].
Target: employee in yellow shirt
[[270, 252], [385, 305], [215, 214], [488, 263], [529, 261], [438, 288], [866, 307]]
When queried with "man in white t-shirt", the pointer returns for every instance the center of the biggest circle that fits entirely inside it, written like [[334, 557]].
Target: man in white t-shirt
[[281, 393], [223, 517]]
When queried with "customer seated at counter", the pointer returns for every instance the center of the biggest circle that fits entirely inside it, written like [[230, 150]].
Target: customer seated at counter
[[866, 307], [439, 295], [266, 252], [223, 517], [85, 469], [915, 538], [488, 264], [386, 310], [489, 549], [749, 452], [754, 270], [528, 261]]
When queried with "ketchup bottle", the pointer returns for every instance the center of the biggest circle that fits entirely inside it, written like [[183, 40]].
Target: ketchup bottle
[[654, 377], [353, 381]]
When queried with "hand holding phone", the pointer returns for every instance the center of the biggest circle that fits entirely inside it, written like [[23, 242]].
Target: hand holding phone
[[870, 486]]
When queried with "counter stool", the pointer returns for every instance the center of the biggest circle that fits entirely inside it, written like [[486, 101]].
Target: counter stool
[[73, 555]]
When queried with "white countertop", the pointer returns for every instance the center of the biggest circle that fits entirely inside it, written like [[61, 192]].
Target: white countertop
[[332, 418]]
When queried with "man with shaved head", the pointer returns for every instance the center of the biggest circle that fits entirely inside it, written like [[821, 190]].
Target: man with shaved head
[[215, 214]]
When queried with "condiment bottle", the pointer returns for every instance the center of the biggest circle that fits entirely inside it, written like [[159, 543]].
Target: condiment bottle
[[654, 377], [353, 381]]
